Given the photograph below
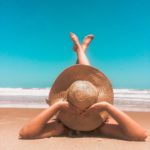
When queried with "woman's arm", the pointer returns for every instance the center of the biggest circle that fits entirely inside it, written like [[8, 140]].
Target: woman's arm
[[36, 125], [125, 128], [129, 128]]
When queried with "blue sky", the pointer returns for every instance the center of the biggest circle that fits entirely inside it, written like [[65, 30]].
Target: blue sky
[[35, 45]]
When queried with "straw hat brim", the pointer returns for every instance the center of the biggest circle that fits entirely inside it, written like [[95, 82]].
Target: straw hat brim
[[74, 73], [81, 72]]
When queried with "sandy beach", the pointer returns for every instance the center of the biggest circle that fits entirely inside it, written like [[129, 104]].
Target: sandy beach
[[12, 119]]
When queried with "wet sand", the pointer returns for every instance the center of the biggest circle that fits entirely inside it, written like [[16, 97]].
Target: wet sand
[[12, 119]]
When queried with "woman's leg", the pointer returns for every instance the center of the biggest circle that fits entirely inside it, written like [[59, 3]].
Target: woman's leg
[[81, 49]]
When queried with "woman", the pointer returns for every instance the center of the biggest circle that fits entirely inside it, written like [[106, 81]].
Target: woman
[[119, 125]]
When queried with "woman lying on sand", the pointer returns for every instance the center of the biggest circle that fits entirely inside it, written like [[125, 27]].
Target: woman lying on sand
[[118, 125]]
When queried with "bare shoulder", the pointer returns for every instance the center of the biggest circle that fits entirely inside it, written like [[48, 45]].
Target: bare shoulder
[[111, 128]]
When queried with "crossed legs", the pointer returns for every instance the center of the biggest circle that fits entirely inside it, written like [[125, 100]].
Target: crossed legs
[[81, 49]]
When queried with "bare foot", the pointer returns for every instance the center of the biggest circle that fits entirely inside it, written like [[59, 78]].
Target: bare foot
[[87, 40], [74, 38]]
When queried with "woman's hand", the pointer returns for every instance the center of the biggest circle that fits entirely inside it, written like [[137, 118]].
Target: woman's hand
[[67, 107], [96, 108]]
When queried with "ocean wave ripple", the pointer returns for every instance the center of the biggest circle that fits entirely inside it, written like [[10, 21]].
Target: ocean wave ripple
[[124, 99]]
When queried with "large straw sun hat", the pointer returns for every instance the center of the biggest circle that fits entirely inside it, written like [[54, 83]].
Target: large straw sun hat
[[81, 85]]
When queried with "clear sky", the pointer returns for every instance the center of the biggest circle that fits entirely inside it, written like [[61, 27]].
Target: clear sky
[[35, 45]]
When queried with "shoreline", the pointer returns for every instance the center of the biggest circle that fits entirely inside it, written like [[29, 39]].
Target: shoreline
[[124, 99]]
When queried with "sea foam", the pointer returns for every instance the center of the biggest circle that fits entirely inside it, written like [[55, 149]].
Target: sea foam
[[125, 99]]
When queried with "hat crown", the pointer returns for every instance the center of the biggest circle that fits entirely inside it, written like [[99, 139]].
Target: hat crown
[[82, 94]]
